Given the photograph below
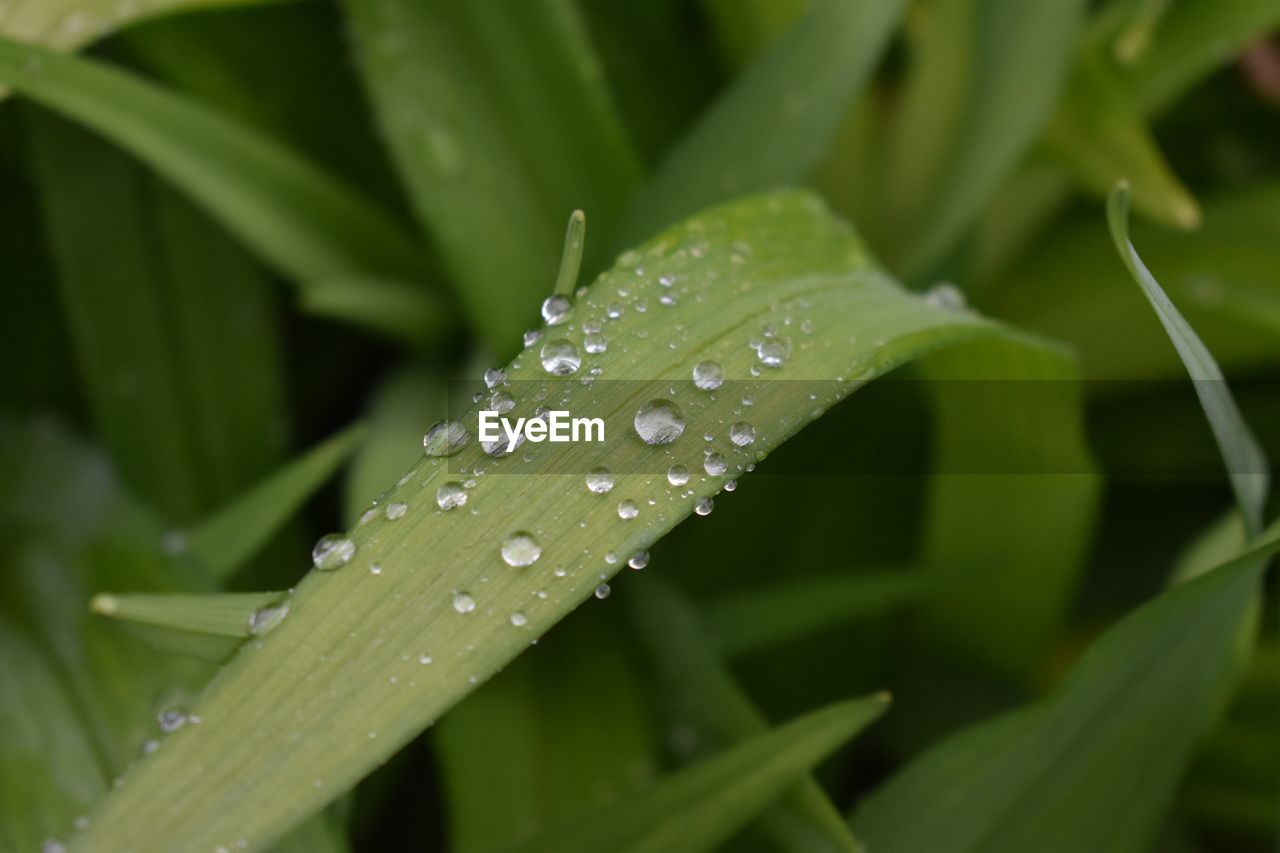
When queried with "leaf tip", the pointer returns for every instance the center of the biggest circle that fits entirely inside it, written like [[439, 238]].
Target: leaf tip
[[104, 604]]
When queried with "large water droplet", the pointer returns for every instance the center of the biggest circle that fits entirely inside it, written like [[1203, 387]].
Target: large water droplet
[[595, 343], [628, 509], [602, 591], [464, 603], [556, 309], [445, 439], [560, 357], [715, 465], [520, 549], [266, 618], [704, 506], [493, 377], [639, 560], [708, 376], [659, 422], [332, 552], [599, 480], [773, 352], [451, 495], [677, 475], [742, 434]]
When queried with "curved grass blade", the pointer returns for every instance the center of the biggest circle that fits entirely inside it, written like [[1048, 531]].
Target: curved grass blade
[[224, 614], [720, 715], [997, 66], [809, 76], [294, 216], [698, 808], [1247, 465], [1094, 766], [498, 121], [228, 538], [778, 264]]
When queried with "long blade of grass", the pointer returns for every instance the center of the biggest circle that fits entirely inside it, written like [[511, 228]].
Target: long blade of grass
[[698, 808], [808, 78], [222, 614], [229, 537], [985, 78], [293, 215], [500, 126], [720, 715], [1247, 465], [444, 592], [1092, 767]]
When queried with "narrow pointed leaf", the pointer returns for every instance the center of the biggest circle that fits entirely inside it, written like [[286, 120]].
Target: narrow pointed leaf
[[295, 216], [810, 76], [224, 614], [1092, 767], [698, 808], [1247, 465], [498, 121], [227, 539], [444, 592], [721, 715]]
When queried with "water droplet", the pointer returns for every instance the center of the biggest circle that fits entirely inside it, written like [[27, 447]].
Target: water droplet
[[532, 336], [266, 618], [639, 560], [704, 506], [602, 591], [519, 619], [560, 357], [424, 659], [677, 475], [628, 509], [708, 376], [53, 845], [666, 280], [556, 309], [451, 495], [946, 295], [332, 552], [595, 343], [464, 603], [715, 465], [742, 434], [730, 485], [659, 422], [773, 352], [501, 402], [171, 719], [493, 377], [368, 515], [375, 568], [150, 745], [445, 439], [599, 480], [520, 549], [611, 558], [396, 510]]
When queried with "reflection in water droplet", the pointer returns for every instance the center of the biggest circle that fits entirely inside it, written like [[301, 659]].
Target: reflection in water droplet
[[451, 495], [708, 376], [659, 422], [595, 343], [715, 465], [639, 560], [520, 549], [493, 377], [171, 719], [677, 475], [627, 509], [774, 352], [560, 357], [742, 434], [704, 506], [599, 480], [556, 309], [445, 439], [332, 552], [602, 591]]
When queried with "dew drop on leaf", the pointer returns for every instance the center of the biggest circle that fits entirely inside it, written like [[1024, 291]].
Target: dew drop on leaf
[[602, 591], [704, 506], [595, 343], [445, 439], [519, 619], [451, 495], [774, 352], [560, 357], [266, 618], [332, 552], [599, 480], [171, 719], [707, 375], [715, 465], [639, 560], [742, 434], [520, 549], [464, 603], [556, 309], [396, 510], [627, 509], [659, 422], [677, 475]]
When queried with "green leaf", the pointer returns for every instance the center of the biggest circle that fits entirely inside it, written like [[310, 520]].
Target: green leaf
[[224, 614], [720, 715], [1246, 463], [1092, 767], [498, 122], [735, 272], [745, 620], [228, 538], [700, 807], [296, 217], [808, 77], [566, 729], [984, 78]]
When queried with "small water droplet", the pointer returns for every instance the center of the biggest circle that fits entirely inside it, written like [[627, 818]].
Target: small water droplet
[[773, 352], [628, 509], [639, 560], [742, 434], [677, 475], [501, 402], [396, 510], [595, 343], [266, 618], [150, 745], [53, 845], [368, 515], [464, 603], [424, 659], [520, 549], [602, 591], [708, 375], [493, 377], [532, 336], [451, 495], [659, 422], [556, 309], [599, 480], [614, 311], [704, 506], [519, 619], [171, 719], [445, 439], [375, 568], [715, 465], [332, 552], [730, 485], [560, 357], [666, 280], [946, 295]]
